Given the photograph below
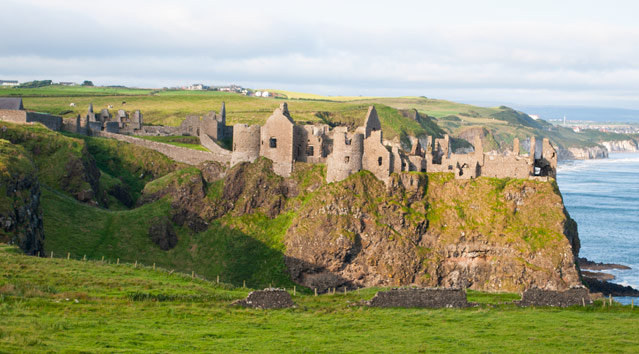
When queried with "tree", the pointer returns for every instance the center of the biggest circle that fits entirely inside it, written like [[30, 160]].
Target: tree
[[87, 83]]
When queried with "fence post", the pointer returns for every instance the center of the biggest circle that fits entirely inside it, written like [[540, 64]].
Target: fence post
[[68, 255], [192, 274], [117, 261], [244, 283], [583, 302], [84, 258], [51, 254], [218, 279], [610, 299], [102, 258], [315, 291], [136, 264], [294, 289]]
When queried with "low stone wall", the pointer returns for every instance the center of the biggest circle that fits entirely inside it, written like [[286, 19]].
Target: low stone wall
[[267, 299], [14, 116], [208, 143], [570, 297], [52, 122], [430, 298], [22, 117], [179, 154]]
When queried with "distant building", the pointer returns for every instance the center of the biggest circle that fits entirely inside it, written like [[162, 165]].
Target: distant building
[[66, 83], [196, 87], [8, 82]]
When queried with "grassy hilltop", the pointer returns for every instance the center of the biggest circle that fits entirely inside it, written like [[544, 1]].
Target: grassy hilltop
[[171, 107], [74, 306]]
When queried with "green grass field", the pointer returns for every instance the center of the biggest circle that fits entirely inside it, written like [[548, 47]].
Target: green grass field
[[74, 306]]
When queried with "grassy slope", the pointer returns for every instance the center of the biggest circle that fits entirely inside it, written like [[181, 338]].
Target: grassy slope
[[79, 229], [107, 317]]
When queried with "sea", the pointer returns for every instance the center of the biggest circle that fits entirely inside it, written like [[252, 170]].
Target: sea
[[603, 197]]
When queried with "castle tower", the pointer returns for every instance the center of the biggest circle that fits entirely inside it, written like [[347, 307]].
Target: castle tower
[[346, 158], [516, 146], [246, 143], [479, 150]]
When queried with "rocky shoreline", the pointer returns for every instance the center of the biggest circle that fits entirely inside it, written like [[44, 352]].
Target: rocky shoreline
[[598, 282]]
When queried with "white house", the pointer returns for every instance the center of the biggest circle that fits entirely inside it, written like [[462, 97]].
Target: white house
[[9, 82]]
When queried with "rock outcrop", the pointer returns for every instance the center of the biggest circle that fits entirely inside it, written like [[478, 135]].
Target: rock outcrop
[[20, 212], [484, 234]]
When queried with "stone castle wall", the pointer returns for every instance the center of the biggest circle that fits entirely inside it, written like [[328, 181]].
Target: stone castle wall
[[346, 158], [216, 149], [179, 154], [246, 143], [277, 142], [14, 116], [18, 116], [377, 158]]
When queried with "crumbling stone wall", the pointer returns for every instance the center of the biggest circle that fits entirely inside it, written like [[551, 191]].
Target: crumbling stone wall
[[21, 117], [15, 116], [277, 142], [112, 127], [412, 297], [377, 158], [246, 143], [208, 143], [513, 166], [371, 123], [179, 154], [346, 157]]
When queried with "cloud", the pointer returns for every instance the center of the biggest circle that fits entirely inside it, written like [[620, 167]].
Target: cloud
[[463, 49]]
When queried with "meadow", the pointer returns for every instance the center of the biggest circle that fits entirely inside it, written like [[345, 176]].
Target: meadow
[[55, 305]]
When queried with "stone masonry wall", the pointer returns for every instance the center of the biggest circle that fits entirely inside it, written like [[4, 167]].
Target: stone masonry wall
[[277, 142], [346, 158], [15, 116], [179, 154], [377, 159], [246, 143], [208, 143]]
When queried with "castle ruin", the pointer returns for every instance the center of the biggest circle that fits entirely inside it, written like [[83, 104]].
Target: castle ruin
[[282, 141]]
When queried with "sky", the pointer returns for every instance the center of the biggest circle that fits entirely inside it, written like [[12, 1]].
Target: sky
[[538, 52]]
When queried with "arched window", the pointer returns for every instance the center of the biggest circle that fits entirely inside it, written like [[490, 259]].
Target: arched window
[[379, 161]]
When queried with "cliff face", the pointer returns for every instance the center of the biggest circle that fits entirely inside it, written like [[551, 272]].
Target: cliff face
[[586, 153], [425, 229], [620, 145], [20, 212], [484, 234]]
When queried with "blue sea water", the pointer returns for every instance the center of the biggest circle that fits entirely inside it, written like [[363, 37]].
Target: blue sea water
[[603, 197]]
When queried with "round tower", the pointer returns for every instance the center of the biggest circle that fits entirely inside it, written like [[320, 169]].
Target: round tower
[[346, 157], [246, 143]]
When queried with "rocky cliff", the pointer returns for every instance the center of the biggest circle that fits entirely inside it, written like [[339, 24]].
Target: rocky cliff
[[585, 153], [425, 229], [484, 234], [20, 212], [620, 145]]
